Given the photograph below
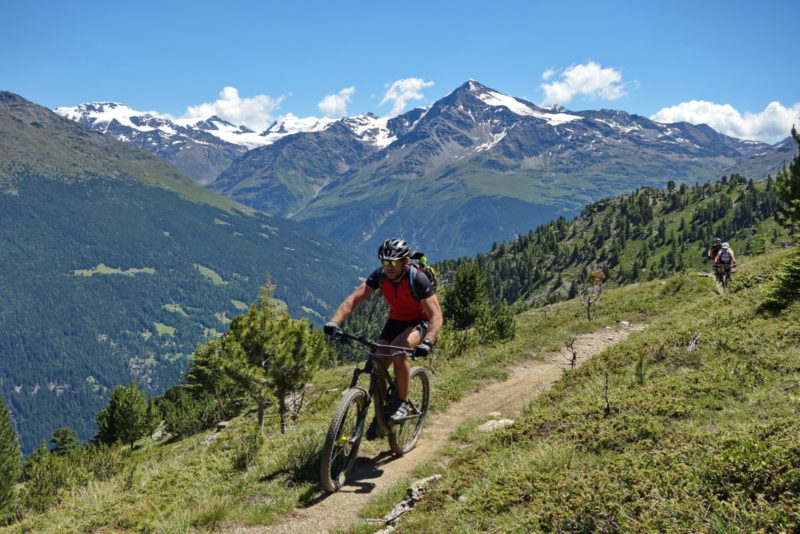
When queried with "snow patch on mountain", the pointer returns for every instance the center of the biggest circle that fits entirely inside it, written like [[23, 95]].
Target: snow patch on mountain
[[291, 124], [495, 138], [103, 113], [622, 128], [493, 98], [371, 129]]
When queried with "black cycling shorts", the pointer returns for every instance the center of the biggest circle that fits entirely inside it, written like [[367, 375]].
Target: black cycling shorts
[[394, 328]]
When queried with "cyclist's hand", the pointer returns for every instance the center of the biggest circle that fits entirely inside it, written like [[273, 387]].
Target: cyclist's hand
[[734, 265], [423, 349], [332, 329]]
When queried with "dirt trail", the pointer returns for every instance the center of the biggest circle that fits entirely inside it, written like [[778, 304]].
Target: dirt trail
[[376, 472]]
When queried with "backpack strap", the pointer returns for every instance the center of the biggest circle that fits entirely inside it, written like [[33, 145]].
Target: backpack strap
[[412, 274]]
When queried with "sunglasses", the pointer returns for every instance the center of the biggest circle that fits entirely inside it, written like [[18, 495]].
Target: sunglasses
[[392, 262]]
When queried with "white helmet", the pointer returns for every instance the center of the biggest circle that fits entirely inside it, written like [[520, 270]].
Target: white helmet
[[726, 245]]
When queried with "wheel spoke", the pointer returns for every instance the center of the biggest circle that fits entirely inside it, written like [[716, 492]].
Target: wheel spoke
[[341, 444]]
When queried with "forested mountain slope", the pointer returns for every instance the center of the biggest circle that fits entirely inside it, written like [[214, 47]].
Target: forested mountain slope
[[114, 266], [648, 234]]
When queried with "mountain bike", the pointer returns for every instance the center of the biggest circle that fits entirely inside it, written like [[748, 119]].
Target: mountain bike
[[723, 274], [348, 424]]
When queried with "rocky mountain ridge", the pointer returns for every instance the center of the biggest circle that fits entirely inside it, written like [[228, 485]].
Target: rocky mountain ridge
[[476, 167]]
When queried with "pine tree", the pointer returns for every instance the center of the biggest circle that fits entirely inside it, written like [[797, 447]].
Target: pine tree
[[271, 354], [468, 297], [125, 419], [10, 462], [787, 189], [64, 440], [207, 375], [299, 354]]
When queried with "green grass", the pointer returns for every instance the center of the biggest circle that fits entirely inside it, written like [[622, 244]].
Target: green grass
[[105, 269], [239, 305], [704, 439], [175, 308], [164, 330], [701, 439], [210, 274]]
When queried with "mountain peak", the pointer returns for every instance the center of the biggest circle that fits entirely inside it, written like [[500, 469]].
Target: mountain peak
[[471, 86]]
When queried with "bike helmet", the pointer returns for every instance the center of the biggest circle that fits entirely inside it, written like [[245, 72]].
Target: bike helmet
[[726, 245], [718, 240], [393, 249]]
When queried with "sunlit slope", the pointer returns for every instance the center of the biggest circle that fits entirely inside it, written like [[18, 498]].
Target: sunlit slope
[[690, 426]]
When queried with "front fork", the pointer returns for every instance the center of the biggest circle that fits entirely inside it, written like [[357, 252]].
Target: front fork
[[377, 393]]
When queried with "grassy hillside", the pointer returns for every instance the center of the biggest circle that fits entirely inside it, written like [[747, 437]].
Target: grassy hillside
[[700, 434]]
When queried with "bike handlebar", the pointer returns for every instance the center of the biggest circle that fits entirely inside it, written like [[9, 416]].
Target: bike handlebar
[[345, 338]]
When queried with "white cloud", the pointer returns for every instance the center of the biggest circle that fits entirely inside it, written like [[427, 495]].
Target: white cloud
[[589, 79], [771, 125], [256, 112], [401, 91], [336, 105]]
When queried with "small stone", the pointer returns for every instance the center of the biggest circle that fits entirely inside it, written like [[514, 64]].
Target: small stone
[[490, 426], [624, 323], [494, 415]]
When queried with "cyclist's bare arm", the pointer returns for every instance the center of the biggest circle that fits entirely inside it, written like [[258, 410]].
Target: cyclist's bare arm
[[434, 312], [349, 304]]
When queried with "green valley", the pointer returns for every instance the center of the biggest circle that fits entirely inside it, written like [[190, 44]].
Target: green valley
[[115, 267]]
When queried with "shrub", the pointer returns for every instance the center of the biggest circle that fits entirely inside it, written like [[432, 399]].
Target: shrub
[[785, 287], [246, 449]]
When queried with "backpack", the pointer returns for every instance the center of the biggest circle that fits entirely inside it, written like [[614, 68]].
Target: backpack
[[418, 262]]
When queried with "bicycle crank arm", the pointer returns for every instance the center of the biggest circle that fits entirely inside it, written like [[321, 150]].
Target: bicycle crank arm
[[408, 417]]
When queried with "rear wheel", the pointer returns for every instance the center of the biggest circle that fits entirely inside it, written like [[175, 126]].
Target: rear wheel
[[403, 436], [343, 440]]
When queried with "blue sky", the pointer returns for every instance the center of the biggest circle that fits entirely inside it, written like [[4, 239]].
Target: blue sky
[[732, 64]]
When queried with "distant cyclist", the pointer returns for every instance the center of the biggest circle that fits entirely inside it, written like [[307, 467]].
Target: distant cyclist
[[725, 256], [715, 248], [411, 323]]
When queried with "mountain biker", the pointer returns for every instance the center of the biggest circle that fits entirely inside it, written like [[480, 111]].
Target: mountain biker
[[725, 256], [411, 322], [714, 250]]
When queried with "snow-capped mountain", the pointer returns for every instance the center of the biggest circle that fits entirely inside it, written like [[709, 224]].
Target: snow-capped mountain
[[475, 167], [202, 148]]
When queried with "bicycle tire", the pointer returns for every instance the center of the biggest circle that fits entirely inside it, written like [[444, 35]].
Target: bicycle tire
[[340, 451], [403, 436]]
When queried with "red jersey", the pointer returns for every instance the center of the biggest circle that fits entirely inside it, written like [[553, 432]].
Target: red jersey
[[402, 304]]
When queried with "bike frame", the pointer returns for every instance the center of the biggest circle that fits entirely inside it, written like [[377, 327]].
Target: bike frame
[[375, 368]]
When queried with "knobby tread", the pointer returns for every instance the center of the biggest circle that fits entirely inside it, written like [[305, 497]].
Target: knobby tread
[[352, 399]]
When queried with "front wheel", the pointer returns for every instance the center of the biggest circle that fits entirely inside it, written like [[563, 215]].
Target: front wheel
[[343, 440], [403, 436]]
